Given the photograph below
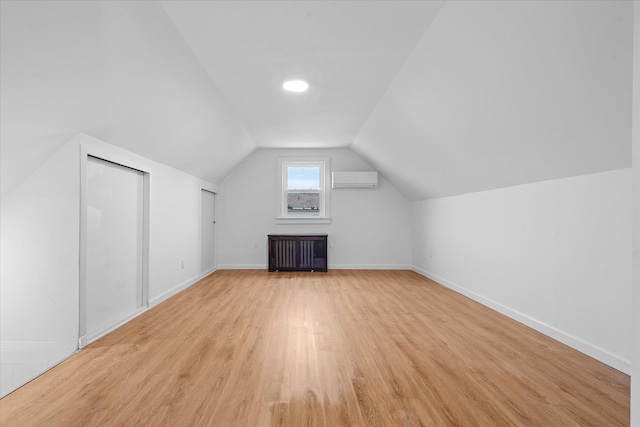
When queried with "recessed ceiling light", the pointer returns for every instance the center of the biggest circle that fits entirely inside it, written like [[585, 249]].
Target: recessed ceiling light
[[295, 86]]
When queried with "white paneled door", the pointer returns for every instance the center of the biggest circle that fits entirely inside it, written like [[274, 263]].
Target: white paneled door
[[208, 231], [114, 221]]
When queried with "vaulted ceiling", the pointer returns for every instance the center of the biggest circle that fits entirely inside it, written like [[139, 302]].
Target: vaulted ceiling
[[349, 52], [443, 98], [503, 93]]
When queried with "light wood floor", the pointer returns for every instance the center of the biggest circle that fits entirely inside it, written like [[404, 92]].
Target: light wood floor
[[251, 348]]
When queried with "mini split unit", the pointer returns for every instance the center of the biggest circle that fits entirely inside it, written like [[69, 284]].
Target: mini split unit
[[354, 179]]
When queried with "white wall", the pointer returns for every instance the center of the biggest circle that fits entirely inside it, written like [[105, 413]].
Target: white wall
[[39, 243], [370, 228], [635, 375], [40, 249], [553, 255], [174, 229]]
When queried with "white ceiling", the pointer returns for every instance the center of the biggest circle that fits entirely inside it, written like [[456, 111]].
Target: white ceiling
[[441, 98], [501, 93], [118, 71], [457, 97], [348, 51]]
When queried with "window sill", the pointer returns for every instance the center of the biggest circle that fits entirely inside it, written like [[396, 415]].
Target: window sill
[[322, 220]]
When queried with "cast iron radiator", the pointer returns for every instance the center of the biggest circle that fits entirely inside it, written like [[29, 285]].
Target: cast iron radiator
[[297, 252]]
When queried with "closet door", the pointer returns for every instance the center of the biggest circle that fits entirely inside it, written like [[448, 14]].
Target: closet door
[[208, 231], [114, 244]]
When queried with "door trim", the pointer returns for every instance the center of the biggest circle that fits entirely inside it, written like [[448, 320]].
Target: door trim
[[87, 151], [215, 233]]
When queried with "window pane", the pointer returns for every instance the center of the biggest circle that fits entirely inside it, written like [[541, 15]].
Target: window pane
[[303, 178], [303, 203]]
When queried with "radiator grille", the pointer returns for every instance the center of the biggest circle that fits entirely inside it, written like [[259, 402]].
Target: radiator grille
[[297, 253]]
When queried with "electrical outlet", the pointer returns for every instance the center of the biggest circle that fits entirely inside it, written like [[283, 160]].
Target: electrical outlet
[[255, 244], [182, 264]]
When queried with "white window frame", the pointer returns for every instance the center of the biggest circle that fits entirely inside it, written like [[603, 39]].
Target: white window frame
[[282, 215]]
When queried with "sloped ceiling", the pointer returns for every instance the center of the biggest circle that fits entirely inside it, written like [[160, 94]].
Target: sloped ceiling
[[442, 98], [457, 97], [118, 71], [503, 93], [348, 51]]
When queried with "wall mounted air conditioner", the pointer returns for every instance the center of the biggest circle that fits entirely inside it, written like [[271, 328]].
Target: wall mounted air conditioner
[[354, 179]]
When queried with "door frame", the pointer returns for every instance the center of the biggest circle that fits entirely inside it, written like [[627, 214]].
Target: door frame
[[215, 231], [127, 161]]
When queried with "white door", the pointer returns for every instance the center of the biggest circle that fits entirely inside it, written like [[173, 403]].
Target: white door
[[208, 231], [114, 244]]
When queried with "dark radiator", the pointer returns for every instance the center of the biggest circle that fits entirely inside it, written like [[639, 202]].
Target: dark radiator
[[297, 252]]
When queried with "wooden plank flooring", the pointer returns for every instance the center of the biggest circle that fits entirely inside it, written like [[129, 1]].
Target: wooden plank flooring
[[384, 348]]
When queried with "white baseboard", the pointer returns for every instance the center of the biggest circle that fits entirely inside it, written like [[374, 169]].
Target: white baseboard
[[331, 266], [242, 267], [369, 267], [579, 344], [173, 291], [39, 357], [23, 361], [87, 339]]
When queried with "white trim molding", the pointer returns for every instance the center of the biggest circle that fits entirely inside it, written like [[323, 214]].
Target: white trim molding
[[369, 267], [243, 267], [587, 348], [324, 214], [330, 267], [303, 221], [181, 287]]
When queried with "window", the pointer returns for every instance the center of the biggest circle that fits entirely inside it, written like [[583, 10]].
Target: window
[[303, 191]]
